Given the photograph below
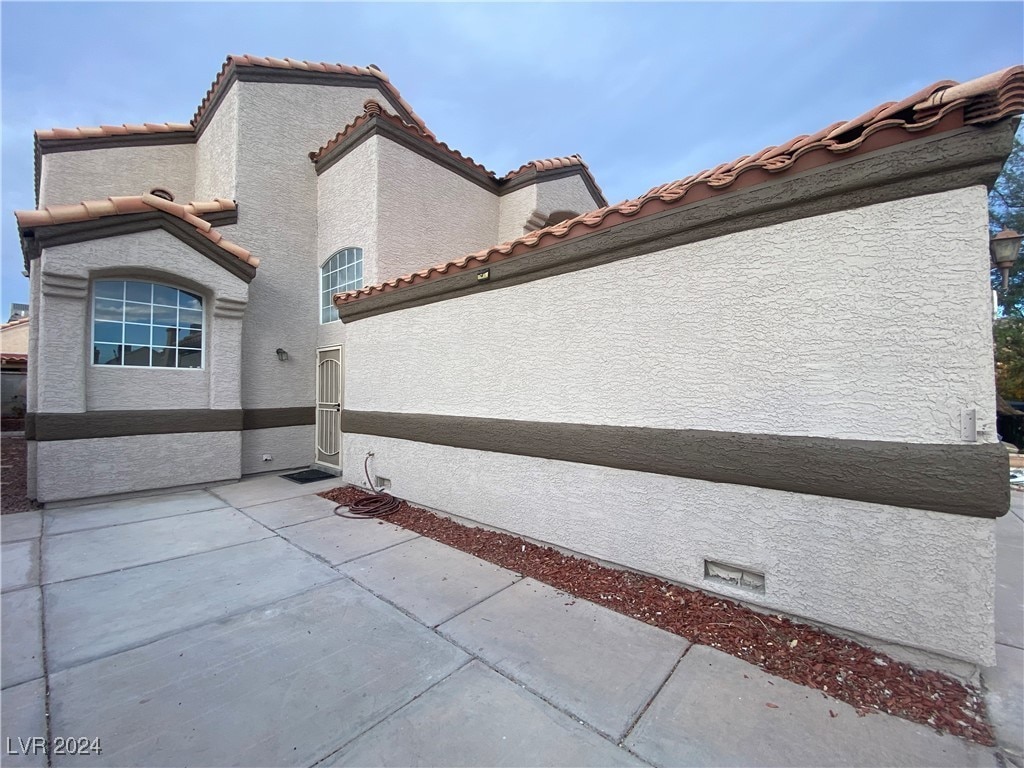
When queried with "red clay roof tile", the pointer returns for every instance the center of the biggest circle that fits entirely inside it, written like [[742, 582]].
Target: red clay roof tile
[[985, 99], [112, 130], [115, 206]]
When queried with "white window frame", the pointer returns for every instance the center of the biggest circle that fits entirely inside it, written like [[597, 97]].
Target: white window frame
[[150, 367], [350, 285]]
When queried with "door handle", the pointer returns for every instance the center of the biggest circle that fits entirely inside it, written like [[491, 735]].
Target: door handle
[[337, 407]]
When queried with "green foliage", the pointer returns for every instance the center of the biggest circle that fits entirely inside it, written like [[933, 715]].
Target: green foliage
[[1006, 211], [1009, 340]]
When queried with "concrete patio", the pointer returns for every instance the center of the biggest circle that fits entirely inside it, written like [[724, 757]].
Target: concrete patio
[[248, 625]]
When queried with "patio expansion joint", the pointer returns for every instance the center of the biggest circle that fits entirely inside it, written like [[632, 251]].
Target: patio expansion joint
[[143, 565], [647, 705], [476, 657], [198, 624], [393, 712], [43, 653], [47, 535]]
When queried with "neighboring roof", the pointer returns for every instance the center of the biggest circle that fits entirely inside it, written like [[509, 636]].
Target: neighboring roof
[[113, 130], [53, 215], [13, 357], [372, 110], [13, 323], [983, 100]]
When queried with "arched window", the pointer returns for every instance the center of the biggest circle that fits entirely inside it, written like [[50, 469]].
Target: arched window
[[342, 272], [148, 325]]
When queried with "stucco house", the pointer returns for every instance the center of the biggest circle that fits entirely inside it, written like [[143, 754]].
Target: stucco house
[[253, 291]]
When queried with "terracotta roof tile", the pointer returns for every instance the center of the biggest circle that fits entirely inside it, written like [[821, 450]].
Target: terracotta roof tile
[[986, 99], [116, 206], [546, 165], [13, 357], [372, 109], [112, 130], [19, 321], [246, 60]]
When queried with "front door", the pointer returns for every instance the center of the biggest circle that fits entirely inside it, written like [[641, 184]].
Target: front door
[[329, 385]]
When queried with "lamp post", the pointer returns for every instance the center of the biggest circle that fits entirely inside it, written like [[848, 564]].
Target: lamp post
[[1004, 248]]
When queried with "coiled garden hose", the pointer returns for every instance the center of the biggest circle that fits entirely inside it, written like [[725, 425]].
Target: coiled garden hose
[[370, 506]]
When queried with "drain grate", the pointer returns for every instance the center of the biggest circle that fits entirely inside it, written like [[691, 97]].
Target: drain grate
[[308, 476]]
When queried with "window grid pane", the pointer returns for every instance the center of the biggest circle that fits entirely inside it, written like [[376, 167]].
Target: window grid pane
[[142, 324], [342, 272]]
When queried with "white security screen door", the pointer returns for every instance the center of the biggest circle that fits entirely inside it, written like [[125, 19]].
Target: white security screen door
[[328, 407]]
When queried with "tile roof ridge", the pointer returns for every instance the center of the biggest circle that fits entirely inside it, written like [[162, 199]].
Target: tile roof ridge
[[99, 131], [547, 164], [12, 323], [114, 205], [372, 109], [249, 60], [986, 99]]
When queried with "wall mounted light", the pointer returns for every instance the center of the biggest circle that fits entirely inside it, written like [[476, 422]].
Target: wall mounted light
[[281, 355], [1004, 248]]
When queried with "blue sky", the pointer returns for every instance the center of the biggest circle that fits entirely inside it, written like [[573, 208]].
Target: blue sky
[[647, 93]]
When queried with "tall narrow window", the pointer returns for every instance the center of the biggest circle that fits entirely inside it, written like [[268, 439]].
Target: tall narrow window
[[342, 272], [146, 325]]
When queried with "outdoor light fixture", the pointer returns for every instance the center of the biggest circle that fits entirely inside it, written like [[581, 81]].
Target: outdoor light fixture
[[1004, 248], [281, 355]]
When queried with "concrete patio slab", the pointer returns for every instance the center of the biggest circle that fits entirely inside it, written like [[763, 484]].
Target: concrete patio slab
[[338, 540], [283, 685], [477, 717], [1009, 598], [278, 514], [78, 518], [23, 716], [22, 636], [21, 525], [98, 615], [267, 488], [599, 665], [1004, 685], [714, 711], [431, 581], [19, 564], [102, 550]]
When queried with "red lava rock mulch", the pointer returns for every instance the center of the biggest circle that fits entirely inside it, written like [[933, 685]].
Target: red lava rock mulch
[[13, 476], [868, 680]]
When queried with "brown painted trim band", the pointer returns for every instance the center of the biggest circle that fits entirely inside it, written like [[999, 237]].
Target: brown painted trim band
[[52, 146], [272, 418], [955, 479], [34, 240], [100, 424], [949, 160]]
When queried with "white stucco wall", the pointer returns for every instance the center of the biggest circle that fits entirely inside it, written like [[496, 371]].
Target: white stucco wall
[[916, 578], [115, 465], [93, 174], [347, 217], [67, 381], [288, 447], [514, 211], [568, 193], [14, 339], [427, 214], [217, 151], [824, 326]]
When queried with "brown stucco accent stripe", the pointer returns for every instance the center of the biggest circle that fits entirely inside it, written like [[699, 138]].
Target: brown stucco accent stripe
[[271, 418], [96, 424], [937, 163], [955, 479]]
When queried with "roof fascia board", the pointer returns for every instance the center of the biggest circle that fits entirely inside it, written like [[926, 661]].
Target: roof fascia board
[[51, 146], [926, 165], [35, 240]]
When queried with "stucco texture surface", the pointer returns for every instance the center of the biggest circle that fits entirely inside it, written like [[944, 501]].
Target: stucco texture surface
[[911, 577], [15, 339], [347, 217], [427, 214], [68, 382], [277, 194], [74, 469], [568, 193], [824, 326], [514, 211], [289, 447], [94, 174], [217, 151]]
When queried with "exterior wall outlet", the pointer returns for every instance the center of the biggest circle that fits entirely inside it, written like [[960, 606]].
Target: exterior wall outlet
[[734, 575], [267, 457], [969, 425]]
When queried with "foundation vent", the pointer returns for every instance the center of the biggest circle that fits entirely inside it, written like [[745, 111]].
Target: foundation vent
[[382, 483], [734, 575]]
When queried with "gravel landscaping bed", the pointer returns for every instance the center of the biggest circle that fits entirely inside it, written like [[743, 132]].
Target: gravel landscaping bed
[[13, 475], [865, 678]]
